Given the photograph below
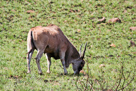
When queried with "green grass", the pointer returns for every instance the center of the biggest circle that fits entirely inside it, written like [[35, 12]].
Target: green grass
[[70, 16]]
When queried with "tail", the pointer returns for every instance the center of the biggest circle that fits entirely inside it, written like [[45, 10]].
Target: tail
[[32, 40], [30, 43]]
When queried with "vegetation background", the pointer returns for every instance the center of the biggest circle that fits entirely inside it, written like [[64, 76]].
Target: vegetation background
[[107, 50]]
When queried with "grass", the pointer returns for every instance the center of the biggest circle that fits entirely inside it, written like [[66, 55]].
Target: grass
[[70, 16]]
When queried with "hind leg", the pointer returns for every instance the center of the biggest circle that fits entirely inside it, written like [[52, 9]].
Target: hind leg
[[38, 57], [29, 56]]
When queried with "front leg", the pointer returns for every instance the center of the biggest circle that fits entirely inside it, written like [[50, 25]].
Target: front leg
[[64, 67], [63, 62], [48, 62]]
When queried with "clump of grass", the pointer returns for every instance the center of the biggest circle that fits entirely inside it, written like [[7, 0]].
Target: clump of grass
[[121, 81]]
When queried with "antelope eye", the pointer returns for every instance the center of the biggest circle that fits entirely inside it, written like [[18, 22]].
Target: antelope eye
[[79, 68]]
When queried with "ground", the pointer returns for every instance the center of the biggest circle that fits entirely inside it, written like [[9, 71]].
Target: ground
[[108, 48]]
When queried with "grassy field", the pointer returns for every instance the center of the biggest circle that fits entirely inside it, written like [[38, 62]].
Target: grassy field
[[111, 59]]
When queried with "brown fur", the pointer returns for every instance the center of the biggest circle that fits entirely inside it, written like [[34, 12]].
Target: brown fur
[[53, 38]]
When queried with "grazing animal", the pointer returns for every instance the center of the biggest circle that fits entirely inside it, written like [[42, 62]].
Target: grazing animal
[[51, 41]]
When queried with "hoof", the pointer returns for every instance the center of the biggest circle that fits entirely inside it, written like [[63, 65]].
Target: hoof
[[40, 73], [28, 72], [48, 72], [65, 73]]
